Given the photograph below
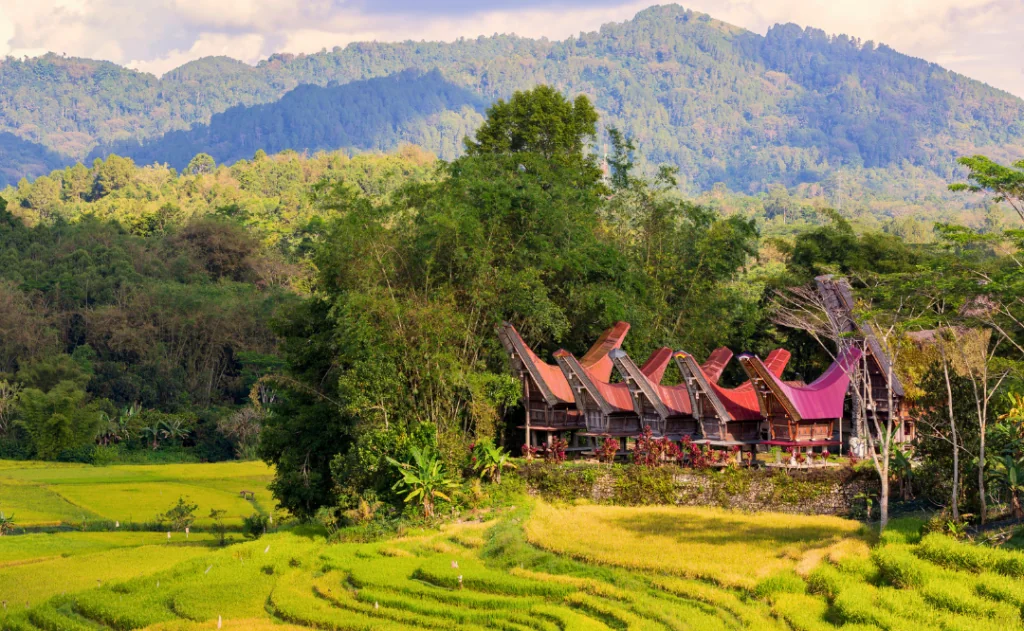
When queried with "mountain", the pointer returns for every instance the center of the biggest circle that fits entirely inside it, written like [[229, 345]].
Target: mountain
[[419, 108], [722, 103], [20, 158]]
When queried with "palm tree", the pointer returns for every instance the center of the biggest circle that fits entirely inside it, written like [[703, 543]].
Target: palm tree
[[423, 479]]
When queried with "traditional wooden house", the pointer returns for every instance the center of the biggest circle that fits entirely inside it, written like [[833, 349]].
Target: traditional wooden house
[[802, 416], [667, 410], [608, 407], [547, 398], [727, 416], [876, 380]]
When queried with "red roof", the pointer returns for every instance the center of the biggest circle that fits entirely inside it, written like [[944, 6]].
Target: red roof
[[549, 378], [596, 360], [656, 364], [822, 399], [675, 399], [615, 396], [739, 403]]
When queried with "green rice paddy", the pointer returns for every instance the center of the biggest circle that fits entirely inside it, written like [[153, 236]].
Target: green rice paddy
[[535, 567], [76, 494]]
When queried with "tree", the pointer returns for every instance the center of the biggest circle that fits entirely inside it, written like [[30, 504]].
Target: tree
[[1005, 183], [217, 516], [804, 308], [202, 163], [540, 121], [59, 419], [112, 174], [181, 515], [423, 480], [8, 404]]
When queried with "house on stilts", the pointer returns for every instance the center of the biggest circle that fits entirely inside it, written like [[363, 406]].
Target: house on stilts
[[548, 401]]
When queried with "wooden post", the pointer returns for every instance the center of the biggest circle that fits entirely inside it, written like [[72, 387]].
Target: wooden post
[[526, 396]]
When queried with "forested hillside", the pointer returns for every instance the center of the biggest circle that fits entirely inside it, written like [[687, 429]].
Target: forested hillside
[[724, 104], [374, 114], [20, 158]]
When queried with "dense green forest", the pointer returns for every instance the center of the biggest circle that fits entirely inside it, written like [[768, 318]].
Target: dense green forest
[[375, 114], [329, 312], [854, 124]]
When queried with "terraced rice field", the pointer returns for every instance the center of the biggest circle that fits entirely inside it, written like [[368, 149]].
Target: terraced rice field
[[547, 568], [74, 494]]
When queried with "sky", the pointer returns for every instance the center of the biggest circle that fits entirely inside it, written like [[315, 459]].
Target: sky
[[979, 38]]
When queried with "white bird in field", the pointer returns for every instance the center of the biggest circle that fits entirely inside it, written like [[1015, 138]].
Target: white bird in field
[[267, 549], [218, 622]]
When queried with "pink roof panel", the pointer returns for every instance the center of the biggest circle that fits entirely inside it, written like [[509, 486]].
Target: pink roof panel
[[822, 399]]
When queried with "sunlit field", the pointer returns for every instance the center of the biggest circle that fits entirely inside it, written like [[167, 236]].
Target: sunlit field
[[713, 544], [541, 567], [74, 494]]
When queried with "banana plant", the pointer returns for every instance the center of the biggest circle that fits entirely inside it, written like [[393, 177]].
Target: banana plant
[[423, 480], [903, 469], [1010, 473], [489, 460]]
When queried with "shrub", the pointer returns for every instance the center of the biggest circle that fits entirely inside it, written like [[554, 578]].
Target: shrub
[[608, 450], [180, 516], [255, 526]]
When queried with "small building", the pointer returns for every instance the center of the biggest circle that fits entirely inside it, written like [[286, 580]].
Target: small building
[[802, 416], [548, 400], [878, 383], [727, 416], [667, 410], [607, 408]]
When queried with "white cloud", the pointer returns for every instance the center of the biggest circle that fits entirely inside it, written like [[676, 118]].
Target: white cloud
[[977, 37], [246, 47]]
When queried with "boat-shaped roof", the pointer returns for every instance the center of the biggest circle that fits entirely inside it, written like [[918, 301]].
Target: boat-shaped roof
[[550, 379], [822, 399]]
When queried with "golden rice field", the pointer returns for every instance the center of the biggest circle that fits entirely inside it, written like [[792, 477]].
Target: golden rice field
[[536, 567], [50, 494], [712, 544]]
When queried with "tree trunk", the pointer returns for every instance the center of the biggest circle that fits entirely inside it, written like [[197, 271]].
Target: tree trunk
[[956, 449], [981, 476]]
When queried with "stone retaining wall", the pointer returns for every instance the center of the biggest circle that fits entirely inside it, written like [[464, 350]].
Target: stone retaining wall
[[827, 491]]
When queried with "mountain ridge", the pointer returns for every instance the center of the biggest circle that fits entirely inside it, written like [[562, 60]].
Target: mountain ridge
[[722, 103]]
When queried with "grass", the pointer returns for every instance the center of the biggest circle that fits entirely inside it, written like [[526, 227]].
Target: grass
[[535, 567], [74, 494]]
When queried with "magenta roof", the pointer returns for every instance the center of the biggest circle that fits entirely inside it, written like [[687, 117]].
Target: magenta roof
[[822, 399]]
